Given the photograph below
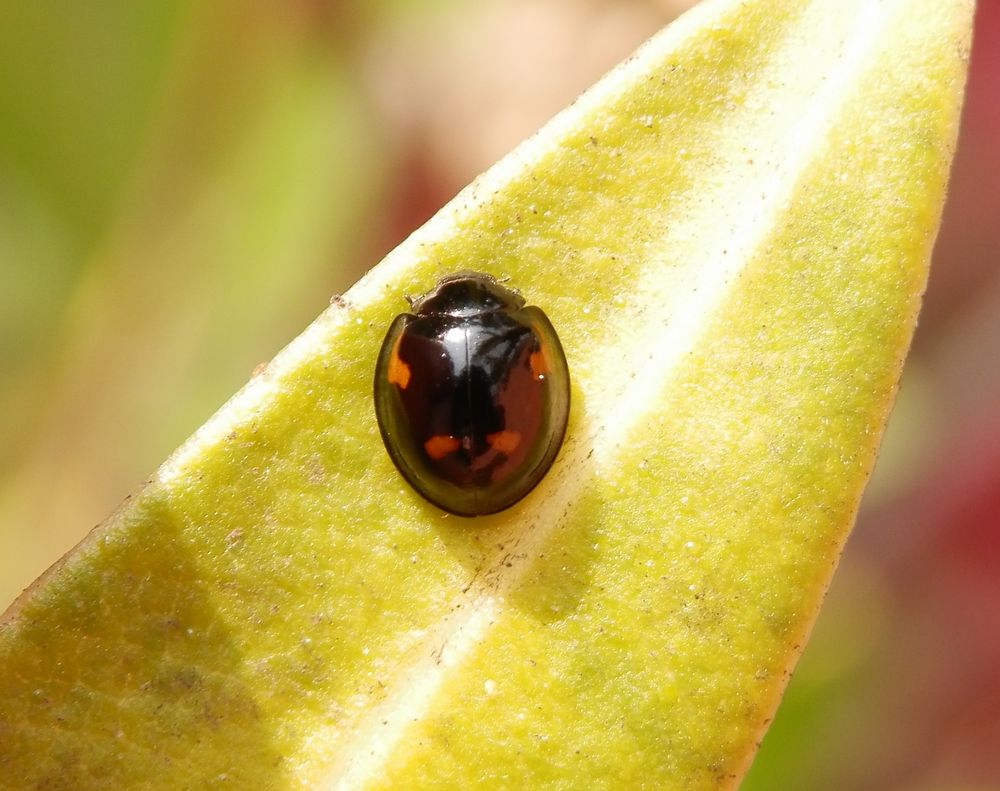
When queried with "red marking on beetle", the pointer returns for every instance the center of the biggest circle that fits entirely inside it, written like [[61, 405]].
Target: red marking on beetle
[[440, 445], [504, 441], [399, 372]]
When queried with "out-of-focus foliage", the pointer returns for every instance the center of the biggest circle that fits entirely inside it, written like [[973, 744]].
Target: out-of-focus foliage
[[225, 158], [183, 186], [77, 91]]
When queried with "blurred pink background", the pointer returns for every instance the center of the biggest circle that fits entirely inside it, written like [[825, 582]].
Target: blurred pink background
[[183, 186]]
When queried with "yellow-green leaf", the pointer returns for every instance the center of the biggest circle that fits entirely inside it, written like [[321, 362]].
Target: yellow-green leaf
[[731, 234]]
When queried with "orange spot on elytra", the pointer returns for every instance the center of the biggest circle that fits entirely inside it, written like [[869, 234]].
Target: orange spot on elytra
[[539, 364], [504, 441], [399, 372], [440, 445]]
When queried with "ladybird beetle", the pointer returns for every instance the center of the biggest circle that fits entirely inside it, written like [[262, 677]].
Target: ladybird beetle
[[472, 395]]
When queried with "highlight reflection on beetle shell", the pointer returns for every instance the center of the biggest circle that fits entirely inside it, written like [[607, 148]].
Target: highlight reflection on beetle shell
[[472, 395]]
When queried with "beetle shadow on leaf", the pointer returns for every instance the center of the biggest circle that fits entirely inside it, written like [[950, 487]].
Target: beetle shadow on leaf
[[560, 576], [538, 552]]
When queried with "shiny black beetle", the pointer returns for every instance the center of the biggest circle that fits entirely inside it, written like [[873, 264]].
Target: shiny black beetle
[[472, 395]]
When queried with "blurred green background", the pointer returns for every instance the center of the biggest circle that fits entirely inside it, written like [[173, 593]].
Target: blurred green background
[[184, 186]]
